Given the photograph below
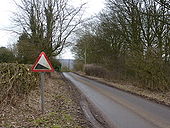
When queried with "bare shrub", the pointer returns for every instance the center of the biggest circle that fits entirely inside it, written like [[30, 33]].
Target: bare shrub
[[94, 70], [78, 66], [16, 80]]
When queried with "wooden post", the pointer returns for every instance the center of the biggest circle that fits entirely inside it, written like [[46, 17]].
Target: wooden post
[[42, 83]]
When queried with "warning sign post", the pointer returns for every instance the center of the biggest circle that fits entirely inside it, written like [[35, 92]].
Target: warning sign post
[[42, 65]]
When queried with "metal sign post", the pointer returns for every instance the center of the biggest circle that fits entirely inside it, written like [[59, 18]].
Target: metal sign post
[[42, 65], [42, 81]]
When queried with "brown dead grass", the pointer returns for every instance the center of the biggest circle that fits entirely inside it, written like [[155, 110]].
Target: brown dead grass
[[61, 109]]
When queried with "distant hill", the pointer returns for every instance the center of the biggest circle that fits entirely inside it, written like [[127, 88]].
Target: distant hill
[[69, 63]]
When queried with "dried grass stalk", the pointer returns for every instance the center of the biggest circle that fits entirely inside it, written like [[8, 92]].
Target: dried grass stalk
[[16, 81]]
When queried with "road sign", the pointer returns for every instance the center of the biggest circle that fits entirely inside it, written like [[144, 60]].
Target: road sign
[[42, 64]]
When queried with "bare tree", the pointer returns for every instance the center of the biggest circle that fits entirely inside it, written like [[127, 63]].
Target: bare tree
[[165, 3], [132, 40], [48, 23]]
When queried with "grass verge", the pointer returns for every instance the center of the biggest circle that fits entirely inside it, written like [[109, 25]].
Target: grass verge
[[61, 109]]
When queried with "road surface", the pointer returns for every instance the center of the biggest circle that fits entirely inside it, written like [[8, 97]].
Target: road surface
[[122, 109]]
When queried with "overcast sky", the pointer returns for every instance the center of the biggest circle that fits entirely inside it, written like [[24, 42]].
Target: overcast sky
[[7, 7]]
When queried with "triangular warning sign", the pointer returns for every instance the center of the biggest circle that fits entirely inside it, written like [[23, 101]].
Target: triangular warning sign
[[42, 64]]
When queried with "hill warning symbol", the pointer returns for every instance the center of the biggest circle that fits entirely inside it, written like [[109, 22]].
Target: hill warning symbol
[[42, 64]]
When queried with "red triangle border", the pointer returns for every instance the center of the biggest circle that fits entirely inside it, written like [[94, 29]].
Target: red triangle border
[[36, 62]]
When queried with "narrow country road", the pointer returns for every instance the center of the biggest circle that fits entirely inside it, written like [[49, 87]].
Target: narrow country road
[[122, 109]]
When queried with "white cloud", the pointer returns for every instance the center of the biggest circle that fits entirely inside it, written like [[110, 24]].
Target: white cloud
[[92, 6], [6, 9]]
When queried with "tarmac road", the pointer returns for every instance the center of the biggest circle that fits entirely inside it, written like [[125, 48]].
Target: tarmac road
[[122, 109]]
